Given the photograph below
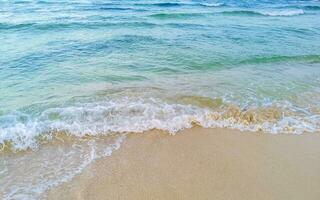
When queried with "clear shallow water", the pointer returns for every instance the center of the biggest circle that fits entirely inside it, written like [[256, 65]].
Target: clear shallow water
[[92, 68]]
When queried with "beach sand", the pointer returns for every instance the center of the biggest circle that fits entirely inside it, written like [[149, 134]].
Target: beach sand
[[203, 164]]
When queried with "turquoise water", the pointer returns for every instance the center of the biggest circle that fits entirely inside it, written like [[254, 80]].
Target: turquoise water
[[101, 68]]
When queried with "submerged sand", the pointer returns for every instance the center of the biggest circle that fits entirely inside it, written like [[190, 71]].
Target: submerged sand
[[203, 164]]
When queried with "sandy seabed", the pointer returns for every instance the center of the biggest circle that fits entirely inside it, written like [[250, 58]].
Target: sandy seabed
[[203, 164]]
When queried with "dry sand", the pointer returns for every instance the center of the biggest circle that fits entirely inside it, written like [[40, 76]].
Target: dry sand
[[203, 164]]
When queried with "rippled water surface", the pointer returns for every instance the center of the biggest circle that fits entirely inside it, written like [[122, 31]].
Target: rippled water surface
[[76, 76]]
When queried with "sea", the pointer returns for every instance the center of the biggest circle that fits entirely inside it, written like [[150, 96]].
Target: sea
[[78, 76]]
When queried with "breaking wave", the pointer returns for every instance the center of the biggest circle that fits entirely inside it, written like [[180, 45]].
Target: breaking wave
[[20, 131]]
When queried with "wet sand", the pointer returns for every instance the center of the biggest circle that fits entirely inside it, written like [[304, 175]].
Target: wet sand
[[203, 164]]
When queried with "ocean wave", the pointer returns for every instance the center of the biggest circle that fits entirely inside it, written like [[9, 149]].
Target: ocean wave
[[277, 59], [178, 4], [168, 4], [116, 8], [69, 25], [176, 15], [311, 7], [283, 13], [184, 15], [212, 4], [21, 131], [274, 13]]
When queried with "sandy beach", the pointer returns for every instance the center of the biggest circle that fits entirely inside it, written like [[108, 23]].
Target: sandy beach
[[203, 164], [160, 100]]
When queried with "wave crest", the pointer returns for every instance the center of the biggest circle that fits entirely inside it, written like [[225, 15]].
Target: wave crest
[[274, 13], [283, 13], [178, 4]]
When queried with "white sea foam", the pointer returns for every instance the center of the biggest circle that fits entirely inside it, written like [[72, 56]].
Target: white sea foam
[[212, 4], [54, 164], [137, 115], [49, 167], [282, 12]]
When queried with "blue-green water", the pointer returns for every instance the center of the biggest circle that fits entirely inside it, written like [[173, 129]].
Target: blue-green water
[[92, 68]]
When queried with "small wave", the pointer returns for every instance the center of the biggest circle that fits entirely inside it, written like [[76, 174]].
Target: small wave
[[115, 8], [241, 12], [212, 4], [283, 13], [75, 135], [178, 4], [8, 26], [21, 131], [176, 15], [277, 59], [279, 13], [168, 4], [69, 25], [311, 7], [41, 26]]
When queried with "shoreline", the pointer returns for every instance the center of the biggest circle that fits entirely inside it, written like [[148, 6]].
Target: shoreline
[[201, 163]]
